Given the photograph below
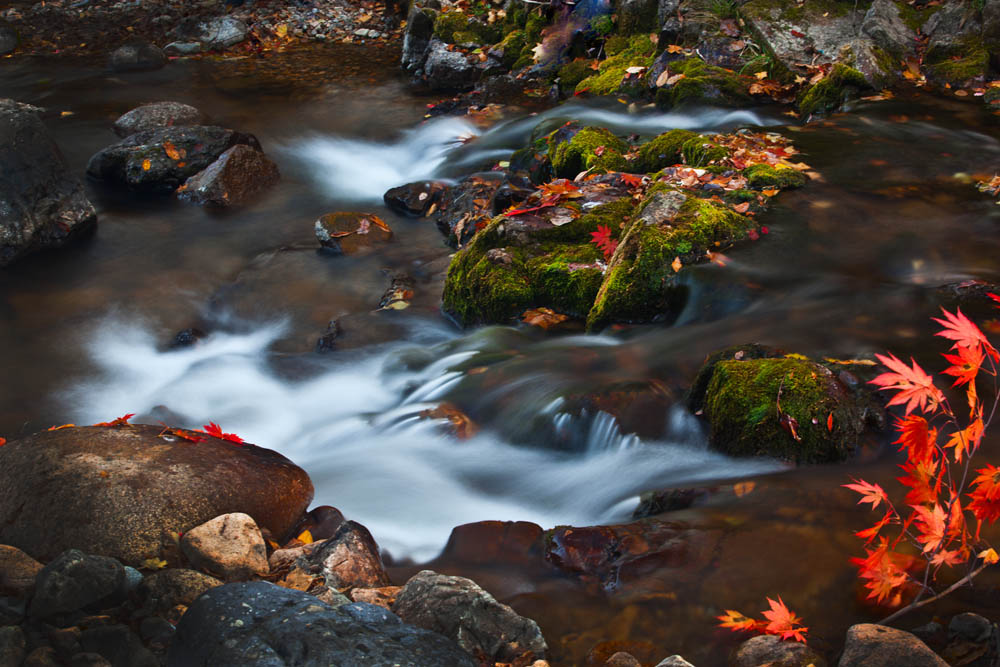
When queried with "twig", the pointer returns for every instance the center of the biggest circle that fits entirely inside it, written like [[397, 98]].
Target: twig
[[916, 605]]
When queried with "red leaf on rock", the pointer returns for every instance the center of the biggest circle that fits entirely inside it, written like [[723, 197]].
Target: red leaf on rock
[[602, 239], [215, 431], [121, 421]]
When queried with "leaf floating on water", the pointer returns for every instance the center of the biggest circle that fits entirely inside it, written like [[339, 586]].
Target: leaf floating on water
[[543, 318], [743, 488]]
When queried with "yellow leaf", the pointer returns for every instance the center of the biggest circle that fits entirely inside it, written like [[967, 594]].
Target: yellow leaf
[[397, 305], [989, 556], [674, 48], [743, 488], [281, 31], [761, 75], [172, 152], [769, 192], [66, 113], [305, 537], [676, 264], [154, 564], [146, 164]]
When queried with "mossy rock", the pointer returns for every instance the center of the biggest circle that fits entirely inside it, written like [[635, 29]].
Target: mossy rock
[[763, 176], [829, 94], [741, 405], [512, 47], [703, 84], [701, 151], [641, 284], [458, 28], [623, 53], [663, 150], [570, 157], [572, 73], [958, 64]]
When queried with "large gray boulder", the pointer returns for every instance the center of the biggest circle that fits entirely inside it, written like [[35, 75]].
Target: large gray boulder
[[120, 492], [160, 160], [41, 203], [417, 38], [259, 624]]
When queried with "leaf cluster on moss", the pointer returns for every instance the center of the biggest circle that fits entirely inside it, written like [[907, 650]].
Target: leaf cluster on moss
[[831, 92], [703, 83], [582, 152], [623, 52], [957, 64], [763, 176], [456, 27]]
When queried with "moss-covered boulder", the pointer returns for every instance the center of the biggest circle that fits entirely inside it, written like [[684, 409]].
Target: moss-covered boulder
[[758, 402], [957, 64], [832, 91], [697, 82], [662, 150], [456, 27], [594, 148], [764, 176], [622, 73]]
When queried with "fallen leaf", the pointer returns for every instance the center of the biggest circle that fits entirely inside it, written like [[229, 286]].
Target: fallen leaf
[[676, 265], [305, 537], [761, 75], [742, 208], [154, 564], [743, 488], [146, 164], [57, 428], [769, 192], [544, 318], [172, 151]]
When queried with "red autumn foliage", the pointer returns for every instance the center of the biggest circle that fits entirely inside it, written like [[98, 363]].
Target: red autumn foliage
[[602, 239], [215, 431], [121, 421]]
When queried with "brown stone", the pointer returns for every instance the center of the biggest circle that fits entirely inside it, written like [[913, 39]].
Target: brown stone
[[351, 559], [17, 572], [120, 491], [234, 178], [229, 545], [383, 597], [871, 645], [487, 542], [166, 589], [772, 650], [622, 659], [351, 233]]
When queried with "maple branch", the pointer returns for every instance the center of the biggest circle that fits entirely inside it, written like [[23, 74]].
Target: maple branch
[[917, 603]]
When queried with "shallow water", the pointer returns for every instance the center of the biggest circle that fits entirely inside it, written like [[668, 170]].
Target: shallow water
[[849, 267]]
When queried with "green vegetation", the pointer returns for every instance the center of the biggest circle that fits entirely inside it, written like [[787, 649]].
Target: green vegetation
[[662, 151], [832, 91], [703, 84], [763, 176], [623, 52], [590, 148]]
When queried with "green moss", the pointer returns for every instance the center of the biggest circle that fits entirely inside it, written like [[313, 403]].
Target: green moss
[[512, 47], [569, 158], [799, 12], [637, 18], [562, 286], [765, 176], [662, 151], [603, 24], [457, 28], [703, 84], [832, 91], [913, 17], [573, 73], [959, 63], [699, 151], [533, 27], [623, 53], [641, 284], [741, 404]]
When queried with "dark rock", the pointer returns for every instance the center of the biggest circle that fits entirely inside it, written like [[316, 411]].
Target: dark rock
[[813, 35], [219, 33], [351, 233], [461, 610], [870, 645], [637, 16], [12, 610], [486, 542], [622, 659], [156, 632], [187, 337], [239, 174], [159, 160], [933, 634], [43, 656], [466, 207], [452, 70], [118, 645], [137, 57], [885, 27], [8, 40], [351, 559], [258, 624], [952, 25], [155, 115], [166, 589], [419, 30], [12, 646], [17, 572], [182, 48], [89, 660], [414, 199], [776, 652], [118, 491], [322, 522], [971, 627], [327, 342], [652, 503], [66, 641], [76, 581], [44, 204]]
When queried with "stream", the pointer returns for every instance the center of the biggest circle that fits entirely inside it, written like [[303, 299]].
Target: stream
[[851, 266]]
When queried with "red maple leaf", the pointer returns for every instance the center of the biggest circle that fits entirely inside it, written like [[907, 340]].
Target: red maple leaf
[[121, 421], [965, 364], [214, 430], [602, 239], [985, 496], [917, 438], [916, 388], [870, 493], [781, 621], [959, 328]]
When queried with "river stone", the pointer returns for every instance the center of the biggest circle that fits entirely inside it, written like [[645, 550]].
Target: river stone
[[41, 203], [229, 545], [118, 645], [776, 652], [168, 588], [351, 233], [43, 656], [12, 646], [449, 70], [182, 48], [674, 661], [136, 57], [118, 491], [155, 115], [90, 660], [870, 645], [419, 30], [17, 572], [459, 609], [239, 174], [221, 33], [260, 624], [159, 160], [970, 627], [8, 40], [414, 199], [814, 35], [75, 581], [885, 27]]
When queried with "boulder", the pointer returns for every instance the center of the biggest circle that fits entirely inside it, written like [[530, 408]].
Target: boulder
[[13, 646], [776, 652], [887, 30], [17, 572], [136, 56], [674, 661], [118, 645], [348, 559], [44, 204], [351, 233], [260, 624], [8, 40], [166, 589], [806, 34], [453, 70], [229, 545], [220, 33], [240, 173], [74, 581], [459, 609], [182, 48], [870, 645], [156, 115], [120, 491], [161, 159], [414, 199], [416, 39]]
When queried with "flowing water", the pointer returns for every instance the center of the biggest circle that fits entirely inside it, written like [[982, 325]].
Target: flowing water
[[850, 266]]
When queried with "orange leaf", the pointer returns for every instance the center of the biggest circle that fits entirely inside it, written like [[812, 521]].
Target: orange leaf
[[916, 388], [146, 164], [182, 434], [870, 493], [121, 421], [215, 431], [56, 428], [736, 621], [959, 328], [3, 441], [742, 208], [172, 151], [829, 423], [781, 621], [917, 438], [544, 318]]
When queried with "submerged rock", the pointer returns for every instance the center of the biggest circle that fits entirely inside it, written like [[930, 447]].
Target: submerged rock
[[120, 491], [237, 176], [155, 115], [243, 625], [160, 160], [44, 205], [136, 57], [351, 233]]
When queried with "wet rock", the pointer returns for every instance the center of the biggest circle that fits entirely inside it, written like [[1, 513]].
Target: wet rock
[[13, 647], [351, 233], [120, 491], [89, 660], [419, 30], [971, 641], [454, 70], [328, 341], [12, 610], [229, 545], [156, 632], [870, 645], [166, 589], [17, 572], [137, 56], [465, 208], [802, 36], [772, 650], [8, 40], [674, 661], [637, 16], [414, 199], [351, 559], [160, 160], [322, 522], [971, 627], [156, 115], [382, 597], [187, 337], [75, 581], [44, 204], [461, 610], [237, 176], [182, 48], [118, 645], [652, 503], [220, 33], [43, 656], [884, 25], [66, 641], [242, 625]]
